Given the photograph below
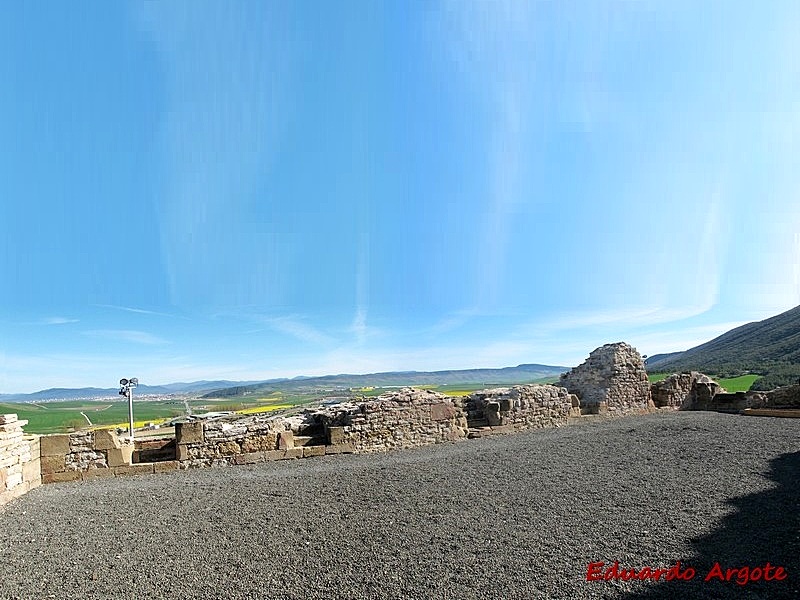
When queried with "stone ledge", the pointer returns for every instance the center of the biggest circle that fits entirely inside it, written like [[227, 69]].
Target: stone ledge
[[139, 469], [165, 466], [313, 451], [248, 458], [97, 474], [62, 477]]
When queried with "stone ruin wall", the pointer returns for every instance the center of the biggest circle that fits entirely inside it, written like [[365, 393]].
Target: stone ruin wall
[[612, 380], [403, 419], [521, 407], [19, 459], [406, 418], [85, 455], [783, 397], [225, 442], [696, 391]]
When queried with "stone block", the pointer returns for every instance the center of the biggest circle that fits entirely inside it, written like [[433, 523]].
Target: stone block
[[229, 448], [54, 445], [442, 411], [313, 451], [503, 429], [189, 433], [182, 452], [140, 469], [8, 418], [340, 449], [165, 466], [285, 440], [97, 474], [274, 454], [293, 453], [121, 456], [106, 439], [248, 458], [61, 477], [336, 435], [53, 464]]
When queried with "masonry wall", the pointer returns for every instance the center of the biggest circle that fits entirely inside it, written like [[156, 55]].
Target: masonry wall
[[85, 455], [403, 419], [521, 407], [612, 380], [19, 459], [783, 397], [226, 442]]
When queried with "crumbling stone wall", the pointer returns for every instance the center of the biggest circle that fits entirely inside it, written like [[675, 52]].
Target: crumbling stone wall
[[612, 379], [783, 397], [400, 419], [233, 441], [84, 455], [693, 391], [19, 459], [674, 391], [521, 407]]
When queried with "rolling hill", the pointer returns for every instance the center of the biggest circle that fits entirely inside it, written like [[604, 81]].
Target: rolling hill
[[195, 387], [509, 375], [770, 348]]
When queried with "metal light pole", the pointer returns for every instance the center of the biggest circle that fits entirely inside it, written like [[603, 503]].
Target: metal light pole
[[126, 389]]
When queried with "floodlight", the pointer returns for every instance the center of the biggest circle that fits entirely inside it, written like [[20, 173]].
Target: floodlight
[[134, 381], [123, 382]]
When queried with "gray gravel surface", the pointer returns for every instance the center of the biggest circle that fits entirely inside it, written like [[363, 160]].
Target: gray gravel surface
[[515, 516]]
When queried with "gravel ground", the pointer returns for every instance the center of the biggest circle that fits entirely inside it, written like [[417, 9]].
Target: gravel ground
[[515, 516]]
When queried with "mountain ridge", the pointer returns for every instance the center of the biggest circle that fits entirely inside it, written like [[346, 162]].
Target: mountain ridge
[[770, 348], [503, 375]]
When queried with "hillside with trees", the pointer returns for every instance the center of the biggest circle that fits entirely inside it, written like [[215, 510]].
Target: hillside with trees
[[770, 348]]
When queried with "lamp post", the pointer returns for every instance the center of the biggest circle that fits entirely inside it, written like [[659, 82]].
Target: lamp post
[[126, 389]]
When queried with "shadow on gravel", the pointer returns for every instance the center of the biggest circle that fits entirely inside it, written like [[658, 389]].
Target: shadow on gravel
[[764, 529]]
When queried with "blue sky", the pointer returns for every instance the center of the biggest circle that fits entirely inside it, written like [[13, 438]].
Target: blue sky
[[245, 190]]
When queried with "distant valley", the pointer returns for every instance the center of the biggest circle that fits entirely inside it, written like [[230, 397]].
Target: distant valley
[[231, 389]]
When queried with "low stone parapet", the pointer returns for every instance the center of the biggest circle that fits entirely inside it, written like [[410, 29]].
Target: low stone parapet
[[405, 418], [83, 455], [521, 407]]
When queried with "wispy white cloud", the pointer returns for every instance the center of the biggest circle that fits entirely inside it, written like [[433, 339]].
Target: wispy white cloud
[[127, 335], [226, 68], [58, 321], [299, 329], [494, 45], [131, 309]]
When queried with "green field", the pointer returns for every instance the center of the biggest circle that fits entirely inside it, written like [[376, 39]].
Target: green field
[[738, 384], [733, 384], [62, 416], [55, 417]]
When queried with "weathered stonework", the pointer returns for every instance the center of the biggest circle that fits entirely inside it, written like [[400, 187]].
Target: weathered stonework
[[522, 407], [695, 391], [783, 397], [83, 455], [402, 419], [612, 379], [231, 441], [19, 459]]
